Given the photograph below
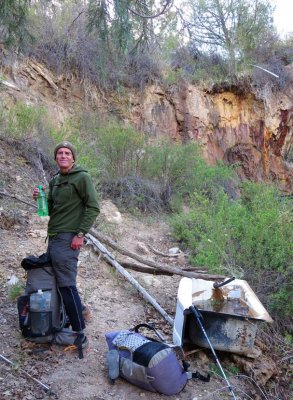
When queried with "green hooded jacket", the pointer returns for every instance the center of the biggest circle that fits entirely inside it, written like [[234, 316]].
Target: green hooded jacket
[[72, 202]]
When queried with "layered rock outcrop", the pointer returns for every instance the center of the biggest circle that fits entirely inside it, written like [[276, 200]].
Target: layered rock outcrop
[[238, 129]]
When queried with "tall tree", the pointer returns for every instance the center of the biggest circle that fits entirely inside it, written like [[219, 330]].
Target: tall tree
[[126, 23], [13, 21], [229, 26]]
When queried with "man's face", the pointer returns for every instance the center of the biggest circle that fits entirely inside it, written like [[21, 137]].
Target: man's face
[[64, 159]]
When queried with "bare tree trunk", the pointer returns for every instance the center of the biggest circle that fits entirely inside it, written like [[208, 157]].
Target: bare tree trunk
[[159, 267], [108, 256]]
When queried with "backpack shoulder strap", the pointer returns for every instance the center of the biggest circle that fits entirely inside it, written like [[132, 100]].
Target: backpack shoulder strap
[[151, 327], [195, 375]]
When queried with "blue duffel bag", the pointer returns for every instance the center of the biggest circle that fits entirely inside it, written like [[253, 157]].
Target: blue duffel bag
[[147, 363]]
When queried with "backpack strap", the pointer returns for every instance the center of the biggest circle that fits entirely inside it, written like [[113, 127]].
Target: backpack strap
[[78, 344], [199, 376], [195, 375], [151, 327], [63, 311]]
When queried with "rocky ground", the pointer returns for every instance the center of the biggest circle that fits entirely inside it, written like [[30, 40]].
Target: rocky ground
[[114, 304]]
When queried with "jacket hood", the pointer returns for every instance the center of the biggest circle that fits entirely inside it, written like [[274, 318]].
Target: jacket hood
[[75, 169]]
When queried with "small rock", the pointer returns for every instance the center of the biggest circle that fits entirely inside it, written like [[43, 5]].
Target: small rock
[[142, 248], [150, 280], [13, 280], [110, 212], [174, 250]]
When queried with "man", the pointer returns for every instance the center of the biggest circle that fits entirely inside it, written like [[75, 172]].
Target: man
[[73, 208]]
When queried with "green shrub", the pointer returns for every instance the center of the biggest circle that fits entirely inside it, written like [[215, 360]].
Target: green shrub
[[79, 131], [16, 290], [249, 237], [180, 169], [120, 148], [21, 121]]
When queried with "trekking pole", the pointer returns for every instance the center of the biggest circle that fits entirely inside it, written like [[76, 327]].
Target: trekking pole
[[46, 388], [198, 318]]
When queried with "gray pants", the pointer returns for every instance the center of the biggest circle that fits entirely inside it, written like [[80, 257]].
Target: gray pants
[[64, 263], [63, 258]]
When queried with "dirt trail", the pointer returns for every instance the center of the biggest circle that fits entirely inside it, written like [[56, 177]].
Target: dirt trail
[[114, 303]]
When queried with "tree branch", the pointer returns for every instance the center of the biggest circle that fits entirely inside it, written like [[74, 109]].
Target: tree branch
[[167, 5], [159, 267], [17, 198]]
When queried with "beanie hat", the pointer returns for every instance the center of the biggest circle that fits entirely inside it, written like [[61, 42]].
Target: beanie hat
[[67, 145]]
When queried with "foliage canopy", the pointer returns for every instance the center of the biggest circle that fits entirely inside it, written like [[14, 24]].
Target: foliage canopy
[[231, 27]]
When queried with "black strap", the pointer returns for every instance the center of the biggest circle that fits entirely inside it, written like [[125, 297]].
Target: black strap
[[148, 326], [78, 344], [193, 375], [63, 311], [201, 377], [32, 262]]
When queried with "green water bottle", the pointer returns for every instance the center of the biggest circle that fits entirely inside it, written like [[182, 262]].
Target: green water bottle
[[42, 202]]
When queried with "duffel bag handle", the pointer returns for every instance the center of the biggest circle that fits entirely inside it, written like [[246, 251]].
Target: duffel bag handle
[[151, 327]]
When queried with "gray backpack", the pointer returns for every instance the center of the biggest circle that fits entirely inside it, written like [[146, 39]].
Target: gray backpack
[[40, 325], [43, 325], [41, 312]]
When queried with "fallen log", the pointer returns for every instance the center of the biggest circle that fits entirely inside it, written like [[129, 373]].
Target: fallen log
[[109, 257], [173, 270], [159, 253], [142, 268]]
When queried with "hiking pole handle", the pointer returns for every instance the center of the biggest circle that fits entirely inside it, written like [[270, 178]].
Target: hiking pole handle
[[216, 285]]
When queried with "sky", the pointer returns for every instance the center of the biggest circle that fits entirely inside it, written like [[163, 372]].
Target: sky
[[283, 16]]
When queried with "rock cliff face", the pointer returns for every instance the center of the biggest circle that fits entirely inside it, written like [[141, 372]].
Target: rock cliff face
[[240, 129]]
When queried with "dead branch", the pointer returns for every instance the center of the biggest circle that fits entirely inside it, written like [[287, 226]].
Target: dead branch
[[159, 267], [109, 257], [142, 268], [18, 199], [159, 253]]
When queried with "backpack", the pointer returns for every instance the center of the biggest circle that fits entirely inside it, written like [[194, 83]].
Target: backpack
[[40, 326], [145, 362], [44, 325], [40, 275]]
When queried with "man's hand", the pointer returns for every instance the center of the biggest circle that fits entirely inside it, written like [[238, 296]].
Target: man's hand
[[77, 242], [35, 193]]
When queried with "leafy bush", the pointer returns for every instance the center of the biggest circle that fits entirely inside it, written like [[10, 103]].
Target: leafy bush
[[120, 148], [21, 121], [135, 193], [16, 290], [151, 177], [249, 237], [180, 169]]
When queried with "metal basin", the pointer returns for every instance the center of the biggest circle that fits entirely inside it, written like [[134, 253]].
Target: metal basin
[[231, 316]]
